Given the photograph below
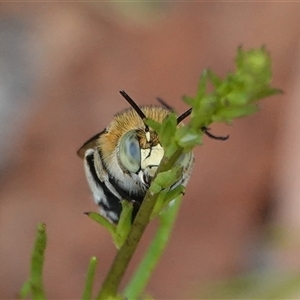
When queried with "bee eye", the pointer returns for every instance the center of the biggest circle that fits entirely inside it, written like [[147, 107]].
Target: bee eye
[[130, 152]]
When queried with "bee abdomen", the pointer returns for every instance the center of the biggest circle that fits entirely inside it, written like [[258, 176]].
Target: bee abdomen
[[107, 192]]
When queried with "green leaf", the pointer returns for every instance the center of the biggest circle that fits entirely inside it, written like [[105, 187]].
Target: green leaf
[[255, 62], [153, 124], [35, 283], [25, 289], [174, 194], [171, 149], [168, 178], [202, 85], [227, 116], [188, 100], [214, 78], [124, 224], [167, 130], [102, 221], [201, 114], [88, 287], [267, 92], [159, 203], [119, 232], [188, 138], [165, 197]]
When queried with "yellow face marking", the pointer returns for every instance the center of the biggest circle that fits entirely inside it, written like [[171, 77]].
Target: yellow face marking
[[151, 157], [148, 136]]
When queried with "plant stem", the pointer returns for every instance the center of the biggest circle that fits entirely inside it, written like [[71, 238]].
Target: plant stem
[[111, 284], [88, 287], [142, 275], [34, 284]]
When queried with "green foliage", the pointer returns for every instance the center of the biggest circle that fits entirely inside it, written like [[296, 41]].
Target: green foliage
[[34, 285], [165, 179], [166, 131], [138, 282], [232, 97], [88, 288], [119, 233]]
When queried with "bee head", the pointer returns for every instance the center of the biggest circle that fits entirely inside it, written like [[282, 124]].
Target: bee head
[[139, 150]]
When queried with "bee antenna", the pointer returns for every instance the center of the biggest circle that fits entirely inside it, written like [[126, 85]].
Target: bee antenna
[[165, 104], [135, 107], [204, 129], [220, 138], [184, 115]]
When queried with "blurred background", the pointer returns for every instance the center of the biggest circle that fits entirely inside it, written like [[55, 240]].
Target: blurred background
[[61, 67]]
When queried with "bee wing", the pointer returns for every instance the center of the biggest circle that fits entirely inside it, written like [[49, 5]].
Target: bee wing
[[89, 144]]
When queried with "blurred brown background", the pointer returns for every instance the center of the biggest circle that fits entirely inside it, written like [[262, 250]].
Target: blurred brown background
[[61, 67]]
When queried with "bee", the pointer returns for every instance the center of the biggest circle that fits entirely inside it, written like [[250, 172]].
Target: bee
[[121, 161]]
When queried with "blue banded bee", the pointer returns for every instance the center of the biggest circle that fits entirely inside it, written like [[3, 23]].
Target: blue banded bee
[[121, 161]]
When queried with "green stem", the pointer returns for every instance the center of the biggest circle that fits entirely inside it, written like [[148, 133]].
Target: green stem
[[35, 282], [142, 275], [88, 287], [111, 283], [37, 264]]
